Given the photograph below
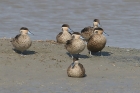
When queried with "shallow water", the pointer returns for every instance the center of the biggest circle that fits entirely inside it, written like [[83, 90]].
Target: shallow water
[[119, 18]]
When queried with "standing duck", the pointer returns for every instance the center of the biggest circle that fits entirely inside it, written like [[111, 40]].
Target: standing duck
[[76, 45], [22, 41], [97, 41], [65, 35], [76, 69], [87, 32]]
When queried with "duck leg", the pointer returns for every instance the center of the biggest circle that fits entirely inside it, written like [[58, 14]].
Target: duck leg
[[90, 54], [22, 53], [78, 55], [100, 53], [71, 56]]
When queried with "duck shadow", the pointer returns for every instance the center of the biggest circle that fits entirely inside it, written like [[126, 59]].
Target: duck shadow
[[26, 52], [77, 55], [79, 77], [85, 75], [103, 53]]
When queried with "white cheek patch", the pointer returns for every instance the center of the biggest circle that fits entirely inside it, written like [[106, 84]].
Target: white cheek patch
[[96, 31]]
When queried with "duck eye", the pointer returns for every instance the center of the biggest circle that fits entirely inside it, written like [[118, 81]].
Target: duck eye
[[73, 36], [96, 32]]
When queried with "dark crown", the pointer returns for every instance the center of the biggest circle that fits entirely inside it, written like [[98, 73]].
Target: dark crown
[[23, 28], [65, 25], [77, 33], [98, 28]]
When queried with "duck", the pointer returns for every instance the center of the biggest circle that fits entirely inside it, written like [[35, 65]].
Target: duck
[[96, 23], [22, 41], [76, 69], [76, 45], [87, 32], [65, 35], [97, 41]]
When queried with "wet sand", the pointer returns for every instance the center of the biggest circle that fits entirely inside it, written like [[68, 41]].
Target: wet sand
[[43, 70]]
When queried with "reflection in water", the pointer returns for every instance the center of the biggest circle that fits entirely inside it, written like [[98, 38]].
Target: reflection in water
[[119, 18]]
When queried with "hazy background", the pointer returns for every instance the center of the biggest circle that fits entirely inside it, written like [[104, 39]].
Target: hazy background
[[119, 18]]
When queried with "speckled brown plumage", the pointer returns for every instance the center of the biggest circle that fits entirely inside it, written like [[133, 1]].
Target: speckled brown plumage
[[76, 69], [75, 45], [22, 41], [87, 32], [63, 36], [96, 42]]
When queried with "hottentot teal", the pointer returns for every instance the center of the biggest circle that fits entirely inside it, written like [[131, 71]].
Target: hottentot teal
[[22, 41], [76, 69], [65, 35]]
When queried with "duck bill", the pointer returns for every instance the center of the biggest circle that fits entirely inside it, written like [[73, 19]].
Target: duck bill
[[70, 30], [99, 25], [82, 38], [30, 33], [106, 33], [72, 65]]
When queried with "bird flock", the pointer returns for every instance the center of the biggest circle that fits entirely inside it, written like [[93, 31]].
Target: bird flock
[[74, 43]]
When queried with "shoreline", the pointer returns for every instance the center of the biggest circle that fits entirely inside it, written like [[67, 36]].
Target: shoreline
[[43, 69], [5, 38]]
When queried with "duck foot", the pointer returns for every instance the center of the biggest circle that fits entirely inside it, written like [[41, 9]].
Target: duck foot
[[90, 54]]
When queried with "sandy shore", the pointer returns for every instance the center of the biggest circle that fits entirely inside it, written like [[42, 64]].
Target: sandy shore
[[43, 70]]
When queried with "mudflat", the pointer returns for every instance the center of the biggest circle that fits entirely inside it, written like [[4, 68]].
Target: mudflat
[[43, 69]]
